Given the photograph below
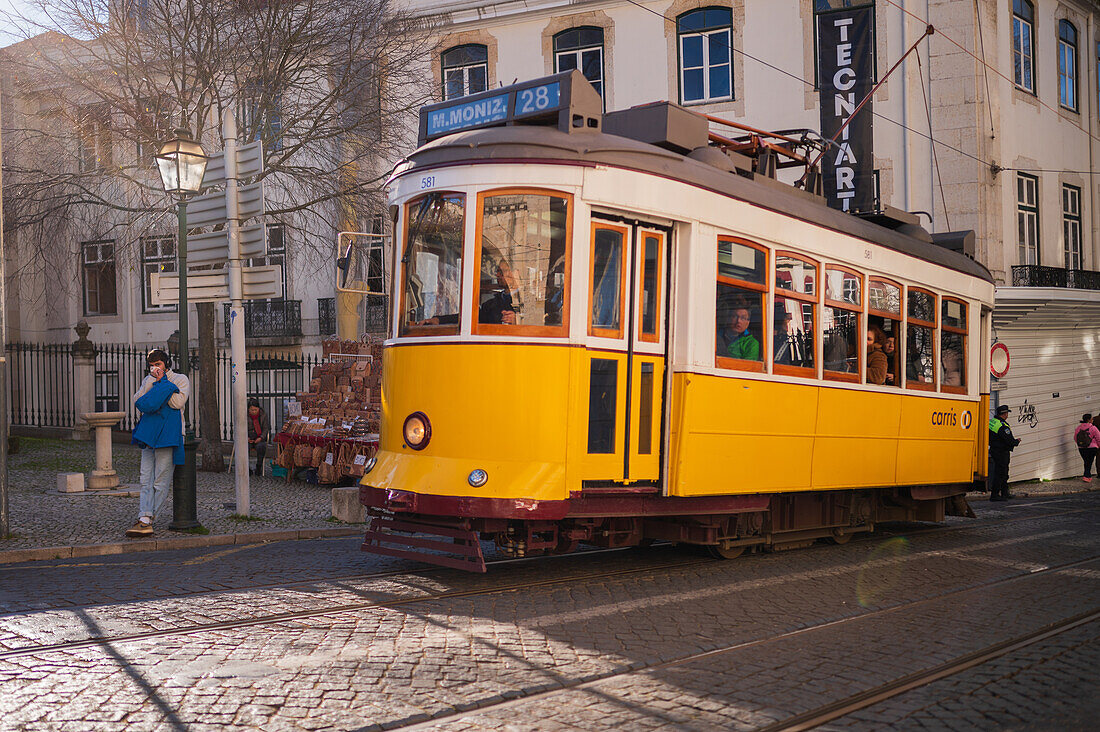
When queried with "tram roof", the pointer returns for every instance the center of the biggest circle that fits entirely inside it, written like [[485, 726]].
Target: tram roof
[[526, 143]]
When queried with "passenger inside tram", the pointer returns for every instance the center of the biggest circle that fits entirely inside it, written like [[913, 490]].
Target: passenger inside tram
[[876, 358], [738, 324], [890, 348], [785, 342]]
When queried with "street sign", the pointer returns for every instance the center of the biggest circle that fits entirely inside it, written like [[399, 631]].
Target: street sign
[[998, 385], [999, 360], [209, 209], [213, 248], [259, 283], [250, 162]]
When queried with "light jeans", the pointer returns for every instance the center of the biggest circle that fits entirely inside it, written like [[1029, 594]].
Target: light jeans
[[156, 477]]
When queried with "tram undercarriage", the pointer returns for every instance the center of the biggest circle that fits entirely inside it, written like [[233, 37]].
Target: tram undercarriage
[[448, 531]]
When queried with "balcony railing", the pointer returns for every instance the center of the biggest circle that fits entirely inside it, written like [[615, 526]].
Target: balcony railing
[[275, 319], [326, 316], [1034, 275]]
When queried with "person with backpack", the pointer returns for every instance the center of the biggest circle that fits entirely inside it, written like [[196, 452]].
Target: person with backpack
[[1001, 445], [1087, 437]]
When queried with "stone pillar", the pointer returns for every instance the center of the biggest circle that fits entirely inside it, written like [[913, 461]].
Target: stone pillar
[[83, 380]]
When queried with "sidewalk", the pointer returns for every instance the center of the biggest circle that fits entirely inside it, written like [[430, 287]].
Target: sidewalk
[[1035, 488], [46, 524]]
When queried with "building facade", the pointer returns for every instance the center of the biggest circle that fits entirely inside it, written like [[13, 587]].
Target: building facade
[[988, 123]]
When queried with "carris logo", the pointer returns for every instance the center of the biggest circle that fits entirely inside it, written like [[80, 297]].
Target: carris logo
[[946, 419]]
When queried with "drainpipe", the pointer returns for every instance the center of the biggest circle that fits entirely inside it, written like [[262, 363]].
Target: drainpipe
[[907, 204]]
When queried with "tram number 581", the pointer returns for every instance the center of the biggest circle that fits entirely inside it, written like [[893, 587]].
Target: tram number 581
[[427, 181]]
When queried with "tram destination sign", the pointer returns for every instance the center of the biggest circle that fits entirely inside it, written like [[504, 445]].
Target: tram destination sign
[[567, 100]]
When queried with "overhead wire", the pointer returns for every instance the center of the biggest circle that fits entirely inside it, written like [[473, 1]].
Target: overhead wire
[[990, 165], [935, 157]]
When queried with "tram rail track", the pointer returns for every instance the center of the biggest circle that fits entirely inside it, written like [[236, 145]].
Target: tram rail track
[[428, 570], [272, 618], [838, 708], [870, 697]]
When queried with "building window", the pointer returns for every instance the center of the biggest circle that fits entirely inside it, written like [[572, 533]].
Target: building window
[[1067, 65], [106, 391], [98, 273], [465, 70], [1071, 226], [1023, 54], [158, 255], [93, 129], [1027, 217], [581, 48], [154, 126], [260, 116], [706, 71]]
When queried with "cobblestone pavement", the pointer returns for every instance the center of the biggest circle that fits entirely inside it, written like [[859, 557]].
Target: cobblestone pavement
[[630, 640], [42, 517]]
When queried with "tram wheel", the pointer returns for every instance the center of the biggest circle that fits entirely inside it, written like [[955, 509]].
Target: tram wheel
[[719, 552], [840, 536]]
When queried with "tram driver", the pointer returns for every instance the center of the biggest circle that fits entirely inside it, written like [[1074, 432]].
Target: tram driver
[[502, 304], [500, 307]]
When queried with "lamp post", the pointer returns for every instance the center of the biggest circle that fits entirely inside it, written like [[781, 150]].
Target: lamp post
[[182, 162]]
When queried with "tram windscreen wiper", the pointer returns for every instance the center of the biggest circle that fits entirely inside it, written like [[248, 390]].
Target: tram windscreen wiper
[[421, 211]]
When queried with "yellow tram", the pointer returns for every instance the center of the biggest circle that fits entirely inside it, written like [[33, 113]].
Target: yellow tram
[[615, 328]]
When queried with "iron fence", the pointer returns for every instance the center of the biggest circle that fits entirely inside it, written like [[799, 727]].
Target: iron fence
[[269, 319], [1034, 275], [41, 384]]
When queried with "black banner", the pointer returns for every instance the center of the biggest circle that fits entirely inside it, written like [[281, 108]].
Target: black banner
[[846, 61]]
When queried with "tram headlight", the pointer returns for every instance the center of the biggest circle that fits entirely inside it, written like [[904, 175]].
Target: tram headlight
[[417, 430], [369, 466], [477, 478]]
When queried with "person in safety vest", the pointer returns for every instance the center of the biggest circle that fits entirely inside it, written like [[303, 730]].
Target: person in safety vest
[[1001, 445]]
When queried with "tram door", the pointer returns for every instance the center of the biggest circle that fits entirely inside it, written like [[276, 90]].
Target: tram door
[[626, 328]]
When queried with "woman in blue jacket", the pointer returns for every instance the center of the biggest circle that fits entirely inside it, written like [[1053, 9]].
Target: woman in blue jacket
[[159, 433]]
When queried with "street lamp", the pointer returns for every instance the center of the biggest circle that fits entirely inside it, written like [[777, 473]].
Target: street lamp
[[182, 162]]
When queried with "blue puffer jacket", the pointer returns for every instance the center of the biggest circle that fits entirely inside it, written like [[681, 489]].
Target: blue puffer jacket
[[160, 425]]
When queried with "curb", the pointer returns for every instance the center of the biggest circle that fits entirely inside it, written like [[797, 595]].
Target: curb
[[984, 495], [13, 556]]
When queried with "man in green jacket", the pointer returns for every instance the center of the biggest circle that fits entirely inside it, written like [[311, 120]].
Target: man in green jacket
[[735, 340]]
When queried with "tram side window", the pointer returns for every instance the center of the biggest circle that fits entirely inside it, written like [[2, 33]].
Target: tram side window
[[794, 311], [884, 332], [523, 256], [841, 320], [432, 264], [920, 340], [739, 305], [953, 346]]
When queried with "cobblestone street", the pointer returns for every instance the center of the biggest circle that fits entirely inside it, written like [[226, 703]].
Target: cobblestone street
[[976, 624]]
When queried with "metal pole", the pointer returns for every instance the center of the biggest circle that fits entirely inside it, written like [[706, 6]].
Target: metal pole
[[184, 508], [236, 320], [4, 518]]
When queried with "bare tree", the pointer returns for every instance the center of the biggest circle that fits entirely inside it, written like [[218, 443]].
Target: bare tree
[[328, 85]]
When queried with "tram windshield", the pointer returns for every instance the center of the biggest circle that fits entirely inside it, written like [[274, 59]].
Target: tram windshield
[[523, 253], [432, 262]]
